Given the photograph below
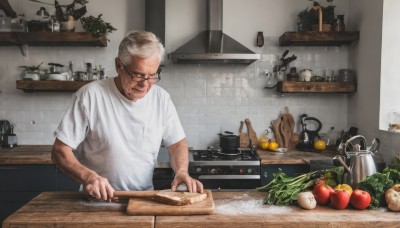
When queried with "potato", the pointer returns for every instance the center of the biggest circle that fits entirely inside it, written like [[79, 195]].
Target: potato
[[306, 200]]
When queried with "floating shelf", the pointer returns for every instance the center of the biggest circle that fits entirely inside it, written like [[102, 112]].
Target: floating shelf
[[316, 87], [50, 85], [52, 39], [314, 38]]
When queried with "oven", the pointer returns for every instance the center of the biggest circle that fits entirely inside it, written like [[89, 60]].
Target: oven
[[216, 169]]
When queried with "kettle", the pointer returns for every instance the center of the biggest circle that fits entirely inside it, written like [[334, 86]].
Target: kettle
[[359, 162]]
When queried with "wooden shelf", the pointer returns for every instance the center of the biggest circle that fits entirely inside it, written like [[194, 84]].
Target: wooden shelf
[[50, 85], [316, 87], [51, 39], [314, 38]]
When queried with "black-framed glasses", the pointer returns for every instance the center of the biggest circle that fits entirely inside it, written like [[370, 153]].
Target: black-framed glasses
[[138, 77]]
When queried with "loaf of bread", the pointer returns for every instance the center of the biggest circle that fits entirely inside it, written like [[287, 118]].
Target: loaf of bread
[[179, 198]]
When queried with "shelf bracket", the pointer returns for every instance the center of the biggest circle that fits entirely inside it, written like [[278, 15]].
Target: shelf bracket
[[24, 49]]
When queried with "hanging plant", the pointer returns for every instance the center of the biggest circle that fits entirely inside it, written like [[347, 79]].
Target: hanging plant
[[96, 26]]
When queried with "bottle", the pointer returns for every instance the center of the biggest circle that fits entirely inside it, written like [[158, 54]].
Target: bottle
[[331, 137], [260, 39], [263, 140], [89, 71], [70, 71]]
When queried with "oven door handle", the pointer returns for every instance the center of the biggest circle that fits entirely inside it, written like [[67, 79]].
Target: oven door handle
[[237, 177]]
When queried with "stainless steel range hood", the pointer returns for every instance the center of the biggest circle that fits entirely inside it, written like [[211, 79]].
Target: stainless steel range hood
[[213, 46]]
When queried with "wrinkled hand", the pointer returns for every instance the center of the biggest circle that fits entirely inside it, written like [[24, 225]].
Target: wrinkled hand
[[98, 187], [193, 185]]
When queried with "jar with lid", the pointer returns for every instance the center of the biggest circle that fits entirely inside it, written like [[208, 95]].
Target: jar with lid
[[339, 25], [292, 75]]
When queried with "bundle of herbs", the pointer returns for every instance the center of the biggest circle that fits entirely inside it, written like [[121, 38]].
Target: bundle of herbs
[[283, 190]]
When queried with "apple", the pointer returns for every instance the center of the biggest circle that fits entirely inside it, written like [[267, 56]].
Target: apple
[[321, 193], [360, 199], [340, 199]]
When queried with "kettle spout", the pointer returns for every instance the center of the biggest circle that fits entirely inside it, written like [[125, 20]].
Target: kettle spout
[[339, 158]]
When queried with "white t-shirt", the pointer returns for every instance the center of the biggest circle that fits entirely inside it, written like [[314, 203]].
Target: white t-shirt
[[117, 138]]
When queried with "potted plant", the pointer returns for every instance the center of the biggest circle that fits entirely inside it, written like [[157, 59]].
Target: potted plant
[[67, 15], [96, 26], [31, 72], [318, 18]]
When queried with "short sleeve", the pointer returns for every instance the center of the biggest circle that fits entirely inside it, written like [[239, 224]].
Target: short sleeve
[[173, 131]]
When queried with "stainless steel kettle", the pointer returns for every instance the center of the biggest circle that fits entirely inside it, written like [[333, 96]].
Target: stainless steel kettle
[[360, 162]]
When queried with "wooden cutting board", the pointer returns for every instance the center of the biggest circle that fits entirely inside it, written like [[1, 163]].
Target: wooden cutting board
[[243, 137], [147, 206]]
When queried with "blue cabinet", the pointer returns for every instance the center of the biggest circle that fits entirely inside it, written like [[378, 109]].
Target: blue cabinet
[[20, 183]]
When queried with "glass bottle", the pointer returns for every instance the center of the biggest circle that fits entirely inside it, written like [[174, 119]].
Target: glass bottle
[[70, 71], [339, 25], [89, 71], [331, 138]]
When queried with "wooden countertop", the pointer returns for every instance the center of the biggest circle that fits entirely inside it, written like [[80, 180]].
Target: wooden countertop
[[72, 209], [41, 154], [232, 209], [26, 155]]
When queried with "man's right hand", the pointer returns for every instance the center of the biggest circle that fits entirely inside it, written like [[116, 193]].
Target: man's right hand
[[98, 187]]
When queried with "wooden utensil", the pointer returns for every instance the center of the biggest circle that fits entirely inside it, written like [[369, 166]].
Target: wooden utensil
[[287, 127], [277, 133], [243, 137], [250, 131], [135, 194]]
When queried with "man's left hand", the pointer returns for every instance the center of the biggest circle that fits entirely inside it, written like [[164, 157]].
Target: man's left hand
[[192, 185]]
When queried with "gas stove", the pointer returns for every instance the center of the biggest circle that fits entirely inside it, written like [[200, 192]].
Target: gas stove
[[221, 169]]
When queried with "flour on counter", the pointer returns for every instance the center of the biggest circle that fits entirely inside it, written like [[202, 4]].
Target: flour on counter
[[240, 205]]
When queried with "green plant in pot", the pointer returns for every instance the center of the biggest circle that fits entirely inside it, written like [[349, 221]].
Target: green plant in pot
[[97, 26], [67, 15], [327, 14], [31, 72], [309, 19]]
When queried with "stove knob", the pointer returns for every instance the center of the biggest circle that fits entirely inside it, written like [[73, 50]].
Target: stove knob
[[198, 170], [249, 170], [213, 171], [241, 171]]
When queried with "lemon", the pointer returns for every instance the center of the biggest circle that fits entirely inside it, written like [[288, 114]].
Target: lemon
[[264, 145], [320, 145], [273, 146]]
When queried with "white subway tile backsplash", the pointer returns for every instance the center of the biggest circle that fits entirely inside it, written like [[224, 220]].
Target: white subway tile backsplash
[[209, 99]]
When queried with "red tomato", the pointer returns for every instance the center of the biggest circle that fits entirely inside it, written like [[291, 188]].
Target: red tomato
[[321, 193], [360, 199], [340, 199]]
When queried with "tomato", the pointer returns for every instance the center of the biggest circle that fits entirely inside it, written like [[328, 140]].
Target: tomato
[[322, 193], [360, 199], [340, 199]]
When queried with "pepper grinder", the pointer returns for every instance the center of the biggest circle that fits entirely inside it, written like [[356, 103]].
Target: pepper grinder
[[260, 39]]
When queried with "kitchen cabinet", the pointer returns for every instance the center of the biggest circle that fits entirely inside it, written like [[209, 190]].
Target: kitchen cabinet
[[314, 38], [20, 183], [50, 85], [316, 87]]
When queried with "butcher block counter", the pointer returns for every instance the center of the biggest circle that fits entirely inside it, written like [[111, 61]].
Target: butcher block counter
[[232, 209], [41, 154]]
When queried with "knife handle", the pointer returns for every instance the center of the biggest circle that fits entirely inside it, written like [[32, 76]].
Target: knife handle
[[138, 194]]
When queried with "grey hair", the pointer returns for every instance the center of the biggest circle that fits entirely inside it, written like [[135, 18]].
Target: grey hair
[[141, 44]]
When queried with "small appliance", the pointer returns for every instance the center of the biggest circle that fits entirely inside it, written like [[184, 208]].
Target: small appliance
[[310, 126], [7, 136]]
